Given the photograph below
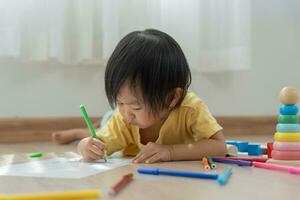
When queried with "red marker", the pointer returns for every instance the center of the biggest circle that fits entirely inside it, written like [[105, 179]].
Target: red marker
[[120, 184]]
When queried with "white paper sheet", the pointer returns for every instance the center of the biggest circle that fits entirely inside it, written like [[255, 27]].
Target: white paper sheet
[[73, 168]]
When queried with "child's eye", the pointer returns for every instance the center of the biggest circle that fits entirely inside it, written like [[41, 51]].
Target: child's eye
[[136, 108]]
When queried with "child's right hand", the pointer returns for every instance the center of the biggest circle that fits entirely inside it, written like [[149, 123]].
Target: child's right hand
[[91, 149]]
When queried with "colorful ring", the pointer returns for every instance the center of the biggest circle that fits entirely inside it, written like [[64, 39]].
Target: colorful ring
[[288, 110], [287, 137], [288, 128], [286, 155], [288, 119], [286, 146]]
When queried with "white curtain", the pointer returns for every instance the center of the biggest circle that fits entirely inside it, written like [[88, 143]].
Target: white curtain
[[39, 30], [214, 34]]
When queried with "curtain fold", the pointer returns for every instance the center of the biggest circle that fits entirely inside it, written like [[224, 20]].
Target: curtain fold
[[215, 35]]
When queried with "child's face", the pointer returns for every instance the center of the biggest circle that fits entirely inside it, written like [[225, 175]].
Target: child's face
[[133, 109]]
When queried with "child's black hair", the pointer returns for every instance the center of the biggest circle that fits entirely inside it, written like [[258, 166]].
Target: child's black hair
[[152, 59]]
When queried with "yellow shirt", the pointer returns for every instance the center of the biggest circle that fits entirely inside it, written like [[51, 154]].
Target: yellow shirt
[[188, 123]]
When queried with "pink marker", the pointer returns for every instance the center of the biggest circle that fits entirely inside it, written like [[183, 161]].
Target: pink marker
[[292, 170]]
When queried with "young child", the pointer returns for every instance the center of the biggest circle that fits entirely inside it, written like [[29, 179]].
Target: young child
[[156, 117]]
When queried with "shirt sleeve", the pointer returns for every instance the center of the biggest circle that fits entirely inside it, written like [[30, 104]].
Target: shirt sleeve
[[115, 134], [201, 122]]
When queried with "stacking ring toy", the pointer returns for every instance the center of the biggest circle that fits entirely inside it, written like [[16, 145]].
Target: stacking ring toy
[[288, 119], [287, 137], [288, 128], [286, 146], [288, 110], [286, 155]]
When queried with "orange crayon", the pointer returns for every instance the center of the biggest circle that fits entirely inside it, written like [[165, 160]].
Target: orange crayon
[[205, 163]]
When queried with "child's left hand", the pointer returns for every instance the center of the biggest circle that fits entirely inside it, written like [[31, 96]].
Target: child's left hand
[[153, 152]]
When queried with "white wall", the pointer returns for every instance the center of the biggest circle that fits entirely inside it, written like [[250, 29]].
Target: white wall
[[50, 89], [275, 63]]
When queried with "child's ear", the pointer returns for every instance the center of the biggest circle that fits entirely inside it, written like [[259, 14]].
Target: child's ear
[[177, 96]]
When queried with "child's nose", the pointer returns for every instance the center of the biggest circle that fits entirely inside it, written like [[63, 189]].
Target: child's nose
[[129, 118]]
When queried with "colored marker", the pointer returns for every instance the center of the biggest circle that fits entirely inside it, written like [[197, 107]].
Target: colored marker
[[157, 171], [205, 164], [211, 163], [292, 170], [88, 121], [36, 154], [223, 178], [237, 162], [90, 126], [121, 184], [257, 159], [82, 194]]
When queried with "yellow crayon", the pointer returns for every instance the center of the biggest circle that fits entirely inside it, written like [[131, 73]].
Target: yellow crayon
[[65, 195]]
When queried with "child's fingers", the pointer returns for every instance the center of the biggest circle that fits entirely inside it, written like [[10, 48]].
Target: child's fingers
[[90, 155], [96, 150], [142, 151], [97, 143], [144, 156], [155, 158], [139, 154], [145, 149]]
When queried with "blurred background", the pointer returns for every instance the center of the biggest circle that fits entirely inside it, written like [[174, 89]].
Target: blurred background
[[53, 52]]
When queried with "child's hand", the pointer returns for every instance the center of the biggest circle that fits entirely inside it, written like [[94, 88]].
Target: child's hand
[[91, 149], [153, 152]]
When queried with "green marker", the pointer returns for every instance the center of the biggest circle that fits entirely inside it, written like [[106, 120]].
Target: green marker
[[36, 154], [90, 126]]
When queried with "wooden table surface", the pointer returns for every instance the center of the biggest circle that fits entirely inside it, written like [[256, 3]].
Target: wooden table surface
[[245, 182]]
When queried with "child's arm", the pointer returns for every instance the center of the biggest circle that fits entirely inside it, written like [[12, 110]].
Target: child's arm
[[153, 152], [112, 137], [213, 146]]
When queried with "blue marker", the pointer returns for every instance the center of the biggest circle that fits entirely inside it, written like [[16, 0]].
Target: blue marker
[[157, 171], [237, 162], [223, 178]]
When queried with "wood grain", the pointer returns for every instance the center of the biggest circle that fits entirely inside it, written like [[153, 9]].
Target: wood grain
[[244, 183], [252, 125]]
